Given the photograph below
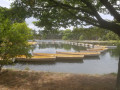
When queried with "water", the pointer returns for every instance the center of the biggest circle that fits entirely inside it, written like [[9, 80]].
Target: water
[[107, 62]]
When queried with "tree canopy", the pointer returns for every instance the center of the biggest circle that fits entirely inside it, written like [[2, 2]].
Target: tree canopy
[[52, 14], [13, 38]]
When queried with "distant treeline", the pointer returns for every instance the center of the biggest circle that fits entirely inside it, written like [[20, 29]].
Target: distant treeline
[[92, 33]]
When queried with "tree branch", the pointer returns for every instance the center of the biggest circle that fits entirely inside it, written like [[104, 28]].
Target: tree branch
[[111, 9], [85, 19], [94, 11], [71, 7]]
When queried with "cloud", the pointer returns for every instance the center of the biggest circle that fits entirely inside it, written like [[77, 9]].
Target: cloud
[[30, 20], [106, 17], [5, 3], [30, 24]]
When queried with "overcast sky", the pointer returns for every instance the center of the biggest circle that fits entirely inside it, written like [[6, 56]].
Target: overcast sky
[[6, 3]]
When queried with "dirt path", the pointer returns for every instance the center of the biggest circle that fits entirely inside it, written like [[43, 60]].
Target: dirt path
[[24, 80]]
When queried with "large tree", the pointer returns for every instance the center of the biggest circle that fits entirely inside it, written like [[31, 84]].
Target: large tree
[[63, 13], [53, 14]]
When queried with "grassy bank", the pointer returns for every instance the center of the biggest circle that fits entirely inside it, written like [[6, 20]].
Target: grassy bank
[[29, 80]]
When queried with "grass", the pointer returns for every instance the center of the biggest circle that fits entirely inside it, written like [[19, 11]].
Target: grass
[[115, 74], [26, 68], [30, 80]]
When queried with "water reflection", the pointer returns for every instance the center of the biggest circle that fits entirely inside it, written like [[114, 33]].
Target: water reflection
[[52, 62], [36, 63], [69, 61], [66, 47], [105, 63], [92, 58]]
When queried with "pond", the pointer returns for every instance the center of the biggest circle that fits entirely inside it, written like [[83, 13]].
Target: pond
[[105, 63]]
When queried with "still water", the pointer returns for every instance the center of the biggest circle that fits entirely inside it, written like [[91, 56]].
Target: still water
[[107, 62]]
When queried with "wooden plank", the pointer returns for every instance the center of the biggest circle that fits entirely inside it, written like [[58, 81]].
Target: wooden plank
[[37, 58], [81, 53], [61, 56], [32, 43]]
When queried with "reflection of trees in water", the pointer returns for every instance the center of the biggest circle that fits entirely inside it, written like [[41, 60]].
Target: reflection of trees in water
[[33, 47], [61, 46], [36, 63], [78, 48], [70, 60], [105, 43], [50, 63], [113, 52], [44, 46], [67, 46]]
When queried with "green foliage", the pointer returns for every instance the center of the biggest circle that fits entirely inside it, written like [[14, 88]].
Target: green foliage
[[47, 34], [112, 36], [92, 33], [67, 34], [19, 33], [53, 14], [13, 38], [81, 37], [14, 41]]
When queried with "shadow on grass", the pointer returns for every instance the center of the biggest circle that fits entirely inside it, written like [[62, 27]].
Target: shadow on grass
[[19, 80]]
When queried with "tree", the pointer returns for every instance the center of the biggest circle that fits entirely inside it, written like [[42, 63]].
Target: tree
[[112, 36], [67, 34], [14, 38], [64, 13], [76, 32]]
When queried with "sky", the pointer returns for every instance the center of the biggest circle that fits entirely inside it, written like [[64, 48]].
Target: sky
[[6, 3]]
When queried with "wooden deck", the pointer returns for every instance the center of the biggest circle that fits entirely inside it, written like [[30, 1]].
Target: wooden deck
[[36, 58], [48, 57], [61, 56], [81, 53], [98, 49], [32, 43]]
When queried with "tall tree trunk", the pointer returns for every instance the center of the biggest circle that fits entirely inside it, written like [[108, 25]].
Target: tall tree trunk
[[118, 76], [0, 69]]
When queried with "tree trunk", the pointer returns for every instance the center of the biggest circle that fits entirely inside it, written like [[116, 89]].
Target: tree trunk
[[118, 76], [0, 69]]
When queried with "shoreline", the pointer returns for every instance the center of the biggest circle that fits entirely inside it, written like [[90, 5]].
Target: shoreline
[[27, 69]]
